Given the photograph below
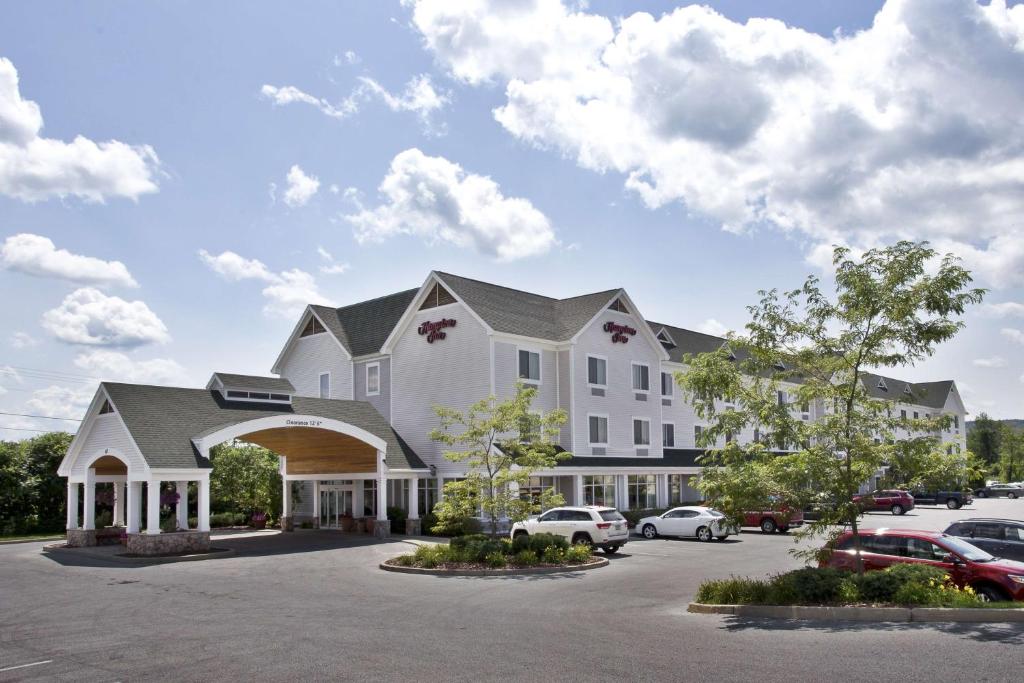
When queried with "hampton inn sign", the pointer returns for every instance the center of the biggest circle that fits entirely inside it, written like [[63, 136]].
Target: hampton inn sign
[[435, 330]]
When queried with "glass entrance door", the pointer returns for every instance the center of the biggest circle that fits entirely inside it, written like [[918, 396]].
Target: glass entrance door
[[335, 503]]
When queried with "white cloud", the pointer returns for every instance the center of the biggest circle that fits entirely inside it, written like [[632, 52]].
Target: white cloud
[[1013, 334], [287, 292], [332, 267], [419, 96], [112, 366], [23, 340], [713, 327], [992, 362], [349, 58], [88, 316], [37, 255], [301, 187], [1005, 309], [34, 168], [58, 401], [435, 199], [855, 139]]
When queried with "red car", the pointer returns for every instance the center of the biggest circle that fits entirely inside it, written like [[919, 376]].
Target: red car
[[992, 578], [894, 501], [771, 521]]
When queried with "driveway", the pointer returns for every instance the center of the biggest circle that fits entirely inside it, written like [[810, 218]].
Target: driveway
[[313, 605]]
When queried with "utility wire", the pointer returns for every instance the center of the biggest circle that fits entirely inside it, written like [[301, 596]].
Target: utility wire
[[24, 429], [42, 417]]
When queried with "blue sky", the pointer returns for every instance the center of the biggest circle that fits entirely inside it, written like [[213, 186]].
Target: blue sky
[[633, 191]]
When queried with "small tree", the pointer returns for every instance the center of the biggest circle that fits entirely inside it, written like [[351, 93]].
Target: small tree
[[245, 478], [1011, 453], [984, 439], [805, 348], [501, 443], [925, 463]]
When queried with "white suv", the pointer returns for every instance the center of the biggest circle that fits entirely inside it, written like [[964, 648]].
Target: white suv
[[599, 526]]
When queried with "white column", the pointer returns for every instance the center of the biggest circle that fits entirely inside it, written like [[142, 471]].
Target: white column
[[661, 487], [286, 498], [72, 505], [119, 502], [89, 502], [316, 503], [414, 497], [577, 490], [358, 502], [153, 506], [204, 504], [181, 487], [382, 488], [621, 492], [134, 500]]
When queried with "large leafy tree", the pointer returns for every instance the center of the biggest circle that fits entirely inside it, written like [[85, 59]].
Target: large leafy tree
[[245, 478], [1011, 453], [891, 307], [501, 443], [983, 438], [32, 496]]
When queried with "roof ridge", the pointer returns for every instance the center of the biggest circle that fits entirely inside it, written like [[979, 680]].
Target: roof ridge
[[523, 291], [367, 301]]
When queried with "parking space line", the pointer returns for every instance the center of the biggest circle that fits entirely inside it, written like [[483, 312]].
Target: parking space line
[[25, 666]]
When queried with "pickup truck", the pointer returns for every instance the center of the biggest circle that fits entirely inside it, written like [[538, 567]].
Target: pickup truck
[[954, 500]]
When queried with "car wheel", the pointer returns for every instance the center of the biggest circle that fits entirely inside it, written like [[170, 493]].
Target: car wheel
[[768, 526], [610, 549], [704, 534], [991, 594], [520, 532], [1011, 495], [953, 504], [783, 529], [582, 539], [982, 494], [649, 531], [897, 509]]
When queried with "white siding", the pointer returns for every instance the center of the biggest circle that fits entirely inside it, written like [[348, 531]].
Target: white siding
[[565, 398], [107, 431], [453, 372], [381, 401], [311, 356], [680, 413], [506, 372]]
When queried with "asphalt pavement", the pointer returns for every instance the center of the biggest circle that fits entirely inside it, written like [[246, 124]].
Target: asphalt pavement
[[314, 606]]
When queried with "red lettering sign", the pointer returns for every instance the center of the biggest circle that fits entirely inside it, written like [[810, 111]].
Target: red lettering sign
[[619, 332], [435, 330]]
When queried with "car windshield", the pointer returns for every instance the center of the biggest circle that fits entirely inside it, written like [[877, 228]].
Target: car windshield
[[966, 550], [611, 516]]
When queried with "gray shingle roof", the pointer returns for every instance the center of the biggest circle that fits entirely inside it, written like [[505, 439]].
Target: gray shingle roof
[[928, 394], [277, 384], [363, 328], [516, 312], [163, 421], [687, 341]]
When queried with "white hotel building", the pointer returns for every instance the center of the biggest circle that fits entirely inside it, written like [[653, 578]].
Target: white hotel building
[[351, 406]]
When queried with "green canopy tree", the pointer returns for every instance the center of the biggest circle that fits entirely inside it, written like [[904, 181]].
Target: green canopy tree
[[502, 443], [984, 437], [1011, 453], [245, 478], [891, 308]]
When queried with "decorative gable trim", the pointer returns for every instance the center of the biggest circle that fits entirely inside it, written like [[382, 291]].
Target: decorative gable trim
[[642, 325], [300, 326], [429, 286], [99, 400]]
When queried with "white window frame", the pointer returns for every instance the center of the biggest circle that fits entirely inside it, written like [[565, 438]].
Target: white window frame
[[600, 358], [320, 387], [633, 364], [607, 428], [368, 366], [540, 365], [663, 426], [632, 424]]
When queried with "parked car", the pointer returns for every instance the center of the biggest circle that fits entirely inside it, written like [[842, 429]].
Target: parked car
[[890, 500], [703, 523], [998, 490], [594, 525], [999, 537], [771, 521], [954, 500], [967, 565]]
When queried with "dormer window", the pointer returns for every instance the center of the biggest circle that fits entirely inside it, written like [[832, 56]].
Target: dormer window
[[907, 391], [666, 339], [239, 395], [438, 296], [252, 388], [882, 385], [312, 327], [106, 408], [617, 305]]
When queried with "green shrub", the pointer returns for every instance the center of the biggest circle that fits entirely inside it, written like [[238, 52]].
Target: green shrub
[[524, 558], [578, 554], [430, 556], [459, 543], [734, 591], [553, 555], [495, 560], [405, 560], [428, 524], [397, 517], [104, 519], [877, 586], [223, 519], [808, 585], [538, 543]]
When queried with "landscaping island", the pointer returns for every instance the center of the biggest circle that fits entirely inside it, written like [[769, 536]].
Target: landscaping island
[[478, 554]]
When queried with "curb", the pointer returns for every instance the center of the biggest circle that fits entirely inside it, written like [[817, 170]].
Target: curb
[[894, 614], [214, 554], [595, 563], [44, 539]]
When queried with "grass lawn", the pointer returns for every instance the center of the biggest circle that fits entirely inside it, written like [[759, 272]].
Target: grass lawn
[[30, 537]]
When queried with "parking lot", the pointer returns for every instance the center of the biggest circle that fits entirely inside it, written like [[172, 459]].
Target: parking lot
[[313, 605]]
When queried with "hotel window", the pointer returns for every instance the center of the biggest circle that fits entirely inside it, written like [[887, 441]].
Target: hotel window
[[597, 371], [535, 488], [428, 496], [372, 379], [641, 377], [325, 385], [529, 427], [666, 384], [529, 366], [676, 486], [369, 497], [781, 396], [668, 435], [642, 492], [599, 490], [956, 422], [598, 430], [916, 415], [641, 432], [903, 415], [698, 432]]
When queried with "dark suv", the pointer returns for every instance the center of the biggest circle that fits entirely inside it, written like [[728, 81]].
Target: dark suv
[[954, 500], [996, 490], [999, 537], [890, 500], [994, 580]]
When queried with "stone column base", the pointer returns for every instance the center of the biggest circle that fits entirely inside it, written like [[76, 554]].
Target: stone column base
[[381, 529], [287, 524], [81, 538], [170, 543], [413, 527]]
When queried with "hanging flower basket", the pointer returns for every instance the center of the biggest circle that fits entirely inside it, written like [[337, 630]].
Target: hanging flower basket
[[258, 520]]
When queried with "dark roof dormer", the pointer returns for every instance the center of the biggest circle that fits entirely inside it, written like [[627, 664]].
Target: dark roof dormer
[[251, 388]]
